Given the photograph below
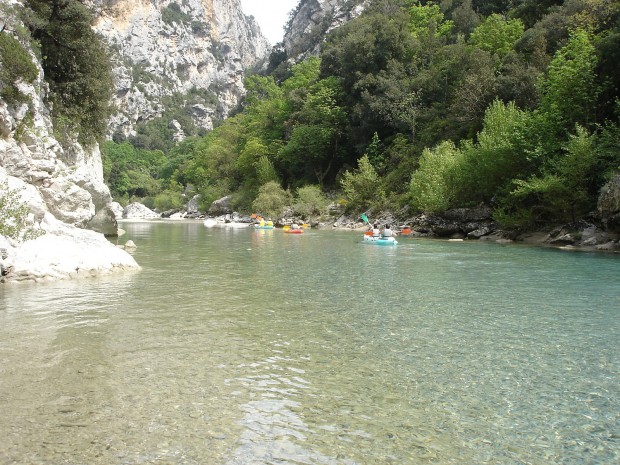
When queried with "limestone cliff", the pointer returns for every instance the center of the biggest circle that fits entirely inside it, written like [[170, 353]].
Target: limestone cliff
[[165, 49], [312, 20], [161, 49], [68, 179]]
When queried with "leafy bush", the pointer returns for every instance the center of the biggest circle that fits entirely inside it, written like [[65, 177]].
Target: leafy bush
[[310, 201], [432, 186], [15, 65], [271, 199], [362, 187], [533, 202], [14, 216], [173, 14], [168, 200]]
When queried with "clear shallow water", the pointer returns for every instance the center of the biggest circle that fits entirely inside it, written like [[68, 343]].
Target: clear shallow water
[[256, 347]]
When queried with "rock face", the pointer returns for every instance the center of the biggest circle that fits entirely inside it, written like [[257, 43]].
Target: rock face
[[312, 20], [61, 185], [69, 178], [168, 48]]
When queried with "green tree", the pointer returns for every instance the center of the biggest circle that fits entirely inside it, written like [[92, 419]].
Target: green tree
[[427, 19], [364, 54], [130, 171], [500, 155], [497, 35], [77, 67], [569, 89], [265, 171], [314, 144]]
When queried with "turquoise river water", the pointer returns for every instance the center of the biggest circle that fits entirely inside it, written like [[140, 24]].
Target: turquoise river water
[[236, 347]]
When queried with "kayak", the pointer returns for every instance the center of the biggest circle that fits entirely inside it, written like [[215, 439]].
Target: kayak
[[293, 231], [263, 227], [379, 240]]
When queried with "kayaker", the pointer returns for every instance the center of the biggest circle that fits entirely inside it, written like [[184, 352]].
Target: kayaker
[[375, 231], [387, 232], [294, 226]]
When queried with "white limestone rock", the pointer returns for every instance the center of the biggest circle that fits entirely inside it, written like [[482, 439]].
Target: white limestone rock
[[208, 47], [138, 211], [82, 253]]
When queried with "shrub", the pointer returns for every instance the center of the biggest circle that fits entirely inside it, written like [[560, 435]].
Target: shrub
[[271, 199], [432, 185], [14, 216], [362, 187], [168, 200], [310, 201], [173, 14], [15, 65]]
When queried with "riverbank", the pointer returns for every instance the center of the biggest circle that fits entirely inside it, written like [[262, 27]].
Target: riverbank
[[457, 225]]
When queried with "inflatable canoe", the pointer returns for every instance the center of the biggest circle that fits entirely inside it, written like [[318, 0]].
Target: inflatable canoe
[[379, 240]]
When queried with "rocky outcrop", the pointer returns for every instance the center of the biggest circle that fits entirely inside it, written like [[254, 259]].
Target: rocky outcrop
[[197, 50], [60, 184], [312, 20], [63, 251], [221, 206], [68, 177]]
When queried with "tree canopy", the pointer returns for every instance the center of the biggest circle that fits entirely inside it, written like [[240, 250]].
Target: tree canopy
[[431, 105]]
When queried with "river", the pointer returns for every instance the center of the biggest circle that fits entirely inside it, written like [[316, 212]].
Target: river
[[257, 347]]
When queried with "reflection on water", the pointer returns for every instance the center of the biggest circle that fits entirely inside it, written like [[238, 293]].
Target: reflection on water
[[256, 347]]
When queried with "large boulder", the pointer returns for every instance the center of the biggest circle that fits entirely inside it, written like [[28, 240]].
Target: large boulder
[[221, 206], [193, 205], [138, 211], [64, 252]]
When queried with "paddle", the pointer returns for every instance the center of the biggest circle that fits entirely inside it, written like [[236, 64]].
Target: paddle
[[365, 219]]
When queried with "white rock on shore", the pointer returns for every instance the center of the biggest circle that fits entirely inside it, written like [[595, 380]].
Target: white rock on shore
[[138, 211], [64, 252]]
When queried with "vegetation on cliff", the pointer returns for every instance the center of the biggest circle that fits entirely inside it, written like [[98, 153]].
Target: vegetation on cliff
[[75, 63], [426, 105]]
